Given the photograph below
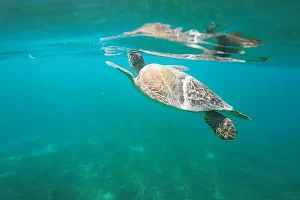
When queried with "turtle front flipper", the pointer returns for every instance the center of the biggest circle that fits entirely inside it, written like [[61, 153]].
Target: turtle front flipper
[[222, 126], [121, 69]]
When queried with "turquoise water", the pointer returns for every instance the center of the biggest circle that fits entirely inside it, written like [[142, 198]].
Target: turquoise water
[[71, 127]]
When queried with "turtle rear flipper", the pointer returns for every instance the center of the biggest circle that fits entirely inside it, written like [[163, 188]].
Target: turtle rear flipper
[[121, 69], [236, 114], [222, 126]]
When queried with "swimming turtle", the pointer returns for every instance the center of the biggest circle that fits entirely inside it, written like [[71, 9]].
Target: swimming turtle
[[170, 85]]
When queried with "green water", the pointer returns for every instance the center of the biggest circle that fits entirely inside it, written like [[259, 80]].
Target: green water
[[72, 128]]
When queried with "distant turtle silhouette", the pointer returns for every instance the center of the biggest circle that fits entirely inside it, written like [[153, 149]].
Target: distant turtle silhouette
[[226, 41]]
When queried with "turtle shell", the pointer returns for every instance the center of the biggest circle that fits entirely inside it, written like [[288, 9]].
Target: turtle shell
[[175, 88]]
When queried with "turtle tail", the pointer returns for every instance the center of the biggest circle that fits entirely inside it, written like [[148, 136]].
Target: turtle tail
[[236, 113], [222, 126]]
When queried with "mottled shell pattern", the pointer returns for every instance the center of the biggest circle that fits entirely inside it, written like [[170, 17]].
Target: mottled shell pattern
[[176, 88]]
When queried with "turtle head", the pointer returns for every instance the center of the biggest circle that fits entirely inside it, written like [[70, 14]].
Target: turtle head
[[136, 60]]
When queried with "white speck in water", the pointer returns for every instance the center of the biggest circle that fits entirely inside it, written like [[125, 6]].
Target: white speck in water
[[30, 56]]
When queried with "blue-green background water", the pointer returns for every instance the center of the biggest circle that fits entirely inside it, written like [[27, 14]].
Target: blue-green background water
[[73, 128]]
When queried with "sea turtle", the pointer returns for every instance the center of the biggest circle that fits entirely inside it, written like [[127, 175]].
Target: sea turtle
[[171, 86]]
